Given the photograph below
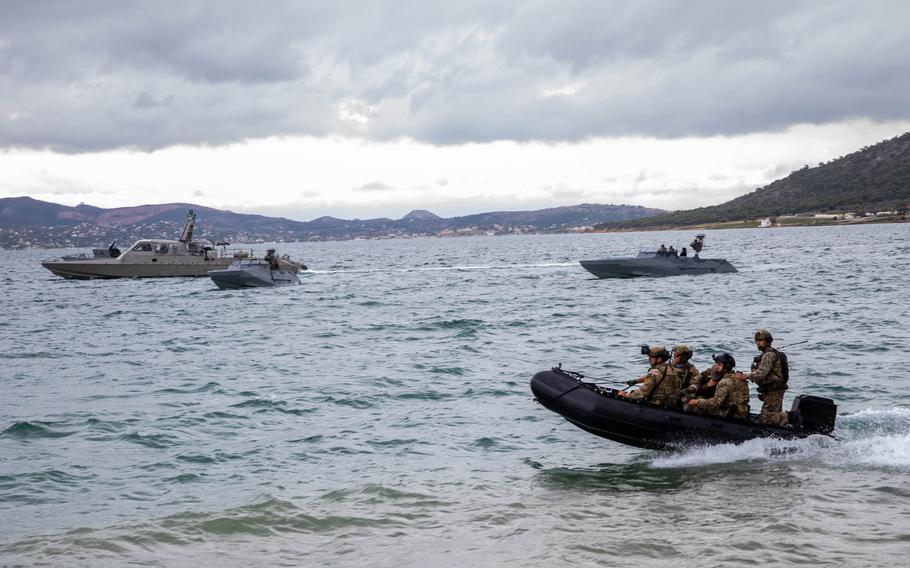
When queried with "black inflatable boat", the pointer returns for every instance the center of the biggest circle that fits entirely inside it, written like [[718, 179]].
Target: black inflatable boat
[[599, 411]]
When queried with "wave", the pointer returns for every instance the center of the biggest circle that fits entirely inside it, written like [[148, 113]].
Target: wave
[[32, 430], [268, 405], [208, 387]]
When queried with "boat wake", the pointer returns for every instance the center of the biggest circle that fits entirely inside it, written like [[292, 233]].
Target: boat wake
[[869, 438], [445, 268]]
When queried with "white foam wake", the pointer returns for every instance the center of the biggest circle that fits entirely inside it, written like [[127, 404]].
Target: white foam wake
[[871, 438], [444, 268]]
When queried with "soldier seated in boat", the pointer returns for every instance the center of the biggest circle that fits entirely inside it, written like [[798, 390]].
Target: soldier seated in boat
[[661, 250], [671, 251], [731, 397], [707, 383], [660, 385], [687, 372]]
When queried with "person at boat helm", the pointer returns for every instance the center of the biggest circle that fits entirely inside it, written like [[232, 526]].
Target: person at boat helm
[[768, 374], [660, 385], [731, 398]]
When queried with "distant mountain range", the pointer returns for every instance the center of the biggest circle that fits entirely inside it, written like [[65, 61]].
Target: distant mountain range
[[27, 222], [874, 178]]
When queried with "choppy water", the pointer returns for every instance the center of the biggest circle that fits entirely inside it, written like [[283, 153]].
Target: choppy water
[[379, 414]]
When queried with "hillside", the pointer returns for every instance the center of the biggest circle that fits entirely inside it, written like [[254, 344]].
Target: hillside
[[874, 178], [27, 222]]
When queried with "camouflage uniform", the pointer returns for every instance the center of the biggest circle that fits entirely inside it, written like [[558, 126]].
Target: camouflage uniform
[[701, 384], [688, 375], [730, 400], [768, 375], [661, 386]]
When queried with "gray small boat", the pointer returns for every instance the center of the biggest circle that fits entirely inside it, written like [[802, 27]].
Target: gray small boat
[[657, 262], [268, 271]]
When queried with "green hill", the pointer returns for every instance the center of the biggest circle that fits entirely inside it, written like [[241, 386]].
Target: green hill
[[875, 178]]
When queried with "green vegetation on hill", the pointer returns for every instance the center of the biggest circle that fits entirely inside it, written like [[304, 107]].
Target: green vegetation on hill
[[875, 178]]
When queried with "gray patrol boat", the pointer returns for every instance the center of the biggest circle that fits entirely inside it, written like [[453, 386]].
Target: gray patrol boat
[[268, 271], [657, 262], [147, 258]]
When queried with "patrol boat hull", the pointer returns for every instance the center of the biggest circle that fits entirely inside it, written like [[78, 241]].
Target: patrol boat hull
[[599, 411], [91, 269], [632, 267]]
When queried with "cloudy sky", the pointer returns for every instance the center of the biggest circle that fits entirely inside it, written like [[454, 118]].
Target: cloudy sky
[[374, 108]]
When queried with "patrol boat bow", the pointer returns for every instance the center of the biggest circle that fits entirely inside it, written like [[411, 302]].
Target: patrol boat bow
[[599, 411]]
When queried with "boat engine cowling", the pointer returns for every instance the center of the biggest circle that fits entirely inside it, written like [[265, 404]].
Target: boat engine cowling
[[816, 413]]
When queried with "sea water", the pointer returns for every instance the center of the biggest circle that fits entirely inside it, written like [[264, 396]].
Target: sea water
[[379, 414]]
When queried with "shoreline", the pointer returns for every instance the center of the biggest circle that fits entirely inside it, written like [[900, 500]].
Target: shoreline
[[786, 224]]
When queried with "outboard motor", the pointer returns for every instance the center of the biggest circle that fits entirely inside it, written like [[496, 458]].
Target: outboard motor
[[815, 413]]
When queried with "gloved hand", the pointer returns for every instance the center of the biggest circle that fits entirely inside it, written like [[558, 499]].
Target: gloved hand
[[632, 382]]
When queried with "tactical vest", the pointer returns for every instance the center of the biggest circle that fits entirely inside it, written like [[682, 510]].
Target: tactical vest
[[666, 391], [776, 379], [737, 403]]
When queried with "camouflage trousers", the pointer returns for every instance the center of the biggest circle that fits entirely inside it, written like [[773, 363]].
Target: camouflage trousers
[[772, 408]]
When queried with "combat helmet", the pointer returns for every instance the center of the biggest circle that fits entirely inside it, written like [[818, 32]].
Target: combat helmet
[[659, 352], [726, 360], [764, 334], [684, 352]]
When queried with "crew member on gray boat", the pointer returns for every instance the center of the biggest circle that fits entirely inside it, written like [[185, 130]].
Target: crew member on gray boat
[[698, 244], [731, 398], [272, 259], [767, 373], [660, 385], [661, 250]]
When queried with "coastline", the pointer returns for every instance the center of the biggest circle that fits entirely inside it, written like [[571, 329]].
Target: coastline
[[783, 224]]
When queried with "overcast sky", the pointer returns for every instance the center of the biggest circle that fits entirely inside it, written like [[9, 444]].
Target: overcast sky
[[373, 108]]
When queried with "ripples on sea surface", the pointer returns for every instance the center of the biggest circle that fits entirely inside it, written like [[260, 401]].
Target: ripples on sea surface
[[379, 413]]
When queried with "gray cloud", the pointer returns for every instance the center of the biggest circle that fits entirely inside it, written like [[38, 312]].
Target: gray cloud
[[104, 74], [373, 186]]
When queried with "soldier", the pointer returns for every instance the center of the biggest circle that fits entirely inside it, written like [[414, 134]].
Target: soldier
[[768, 374], [731, 398], [686, 371], [272, 258], [707, 382], [701, 385], [660, 385]]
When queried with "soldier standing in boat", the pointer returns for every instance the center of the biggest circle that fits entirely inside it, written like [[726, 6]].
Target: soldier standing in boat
[[768, 374], [272, 259], [660, 385], [731, 397]]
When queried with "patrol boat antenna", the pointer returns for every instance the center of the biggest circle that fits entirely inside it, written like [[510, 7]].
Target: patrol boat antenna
[[186, 235]]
